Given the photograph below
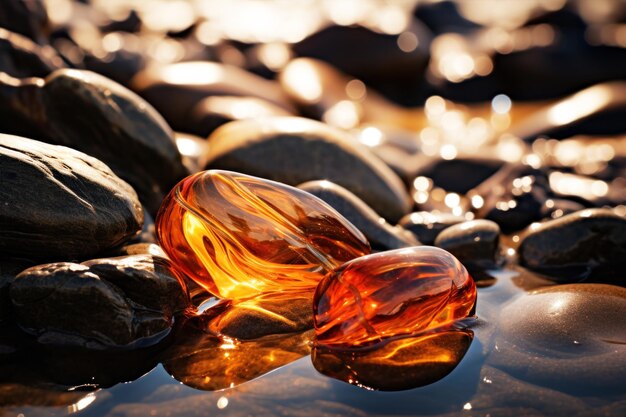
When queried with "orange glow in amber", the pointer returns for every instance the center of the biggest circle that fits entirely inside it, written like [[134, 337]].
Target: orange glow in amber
[[388, 294], [240, 236]]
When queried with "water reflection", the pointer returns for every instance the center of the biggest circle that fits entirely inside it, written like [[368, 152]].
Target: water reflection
[[208, 362], [398, 364]]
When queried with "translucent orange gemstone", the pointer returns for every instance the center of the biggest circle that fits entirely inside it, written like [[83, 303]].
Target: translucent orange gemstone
[[240, 236], [393, 293]]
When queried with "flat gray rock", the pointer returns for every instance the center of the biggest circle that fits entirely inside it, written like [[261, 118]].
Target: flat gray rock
[[567, 337]]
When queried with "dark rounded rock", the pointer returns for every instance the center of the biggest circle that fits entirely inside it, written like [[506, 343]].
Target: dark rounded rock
[[568, 337], [175, 89], [458, 175], [473, 243], [90, 113], [372, 56], [114, 302], [61, 204], [295, 150], [213, 112], [380, 234], [559, 207], [9, 268], [20, 57], [426, 226], [443, 17], [586, 244], [513, 197], [28, 18]]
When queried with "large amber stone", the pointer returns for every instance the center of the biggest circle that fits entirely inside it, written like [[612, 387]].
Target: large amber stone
[[240, 236], [389, 294]]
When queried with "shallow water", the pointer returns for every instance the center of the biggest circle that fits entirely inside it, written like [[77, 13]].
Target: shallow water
[[478, 386]]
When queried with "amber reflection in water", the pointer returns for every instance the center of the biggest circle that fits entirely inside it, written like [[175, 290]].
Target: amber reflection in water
[[208, 362], [398, 364], [239, 236]]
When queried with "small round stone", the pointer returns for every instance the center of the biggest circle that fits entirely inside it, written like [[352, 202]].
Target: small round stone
[[473, 242]]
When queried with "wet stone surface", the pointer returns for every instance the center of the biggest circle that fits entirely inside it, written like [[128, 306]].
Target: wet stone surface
[[568, 337], [20, 57], [114, 303], [513, 197], [474, 242], [586, 244]]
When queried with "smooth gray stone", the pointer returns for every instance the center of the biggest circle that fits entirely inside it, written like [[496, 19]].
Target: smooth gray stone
[[567, 337], [588, 243], [474, 242], [295, 150], [60, 204], [380, 234]]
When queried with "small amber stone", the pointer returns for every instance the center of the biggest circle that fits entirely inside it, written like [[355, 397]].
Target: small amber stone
[[239, 236], [393, 293]]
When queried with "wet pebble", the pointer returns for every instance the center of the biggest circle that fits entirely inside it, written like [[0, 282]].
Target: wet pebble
[[114, 302], [588, 243], [380, 234], [473, 243], [426, 226], [568, 337], [60, 204], [295, 150]]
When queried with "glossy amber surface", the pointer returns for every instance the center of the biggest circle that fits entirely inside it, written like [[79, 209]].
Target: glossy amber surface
[[239, 236], [388, 294]]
